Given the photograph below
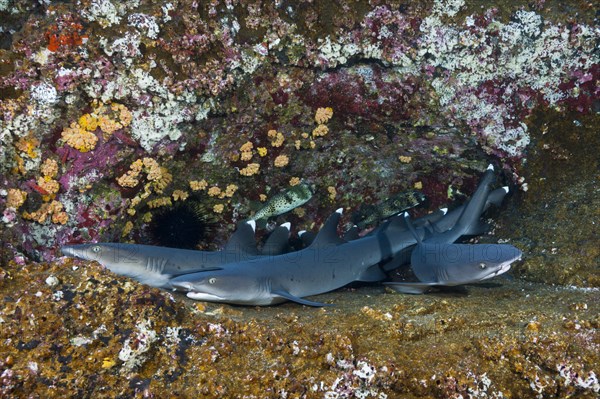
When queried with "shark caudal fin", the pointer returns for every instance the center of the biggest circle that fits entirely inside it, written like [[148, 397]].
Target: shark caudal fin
[[328, 234], [243, 240]]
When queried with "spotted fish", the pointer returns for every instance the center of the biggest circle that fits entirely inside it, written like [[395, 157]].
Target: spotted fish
[[371, 214], [285, 201]]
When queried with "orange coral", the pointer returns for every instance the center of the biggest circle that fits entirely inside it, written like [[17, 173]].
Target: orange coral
[[49, 168], [196, 185], [250, 169], [79, 138]]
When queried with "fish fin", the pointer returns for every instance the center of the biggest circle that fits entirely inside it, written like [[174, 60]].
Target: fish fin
[[290, 297], [401, 258], [278, 241], [242, 240], [410, 288], [351, 234], [496, 196], [307, 237], [373, 273], [477, 229], [328, 234], [411, 227]]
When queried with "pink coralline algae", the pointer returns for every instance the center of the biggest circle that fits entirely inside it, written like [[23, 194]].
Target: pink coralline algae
[[443, 86]]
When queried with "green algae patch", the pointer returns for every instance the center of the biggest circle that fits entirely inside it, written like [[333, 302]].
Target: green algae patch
[[74, 329]]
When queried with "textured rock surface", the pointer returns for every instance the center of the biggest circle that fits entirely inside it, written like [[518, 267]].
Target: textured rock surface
[[85, 332], [112, 115]]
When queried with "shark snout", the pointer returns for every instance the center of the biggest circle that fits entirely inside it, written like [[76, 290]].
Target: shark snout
[[68, 250]]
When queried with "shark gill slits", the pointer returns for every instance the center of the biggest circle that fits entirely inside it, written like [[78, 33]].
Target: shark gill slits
[[183, 225]]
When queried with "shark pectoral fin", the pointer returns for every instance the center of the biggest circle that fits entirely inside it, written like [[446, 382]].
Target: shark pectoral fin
[[477, 228], [290, 297], [410, 288], [373, 273]]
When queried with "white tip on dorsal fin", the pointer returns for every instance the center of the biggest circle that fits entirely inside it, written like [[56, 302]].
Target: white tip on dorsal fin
[[490, 167], [506, 189], [287, 225], [252, 224], [301, 232], [328, 233], [411, 227], [444, 210], [339, 210]]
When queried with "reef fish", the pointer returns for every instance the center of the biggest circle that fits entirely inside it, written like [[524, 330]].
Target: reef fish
[[156, 266], [285, 201], [371, 214]]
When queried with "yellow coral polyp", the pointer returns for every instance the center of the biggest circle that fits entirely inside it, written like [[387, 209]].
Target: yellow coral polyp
[[15, 198], [218, 208], [230, 190], [158, 202], [126, 230], [332, 193], [320, 131], [49, 168], [88, 122], [262, 151], [246, 155], [323, 115], [180, 195], [250, 170], [281, 161], [196, 185], [214, 191], [48, 184], [78, 138], [247, 146]]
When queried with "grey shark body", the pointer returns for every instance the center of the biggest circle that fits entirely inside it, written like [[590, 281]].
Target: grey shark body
[[327, 264], [437, 261], [156, 266]]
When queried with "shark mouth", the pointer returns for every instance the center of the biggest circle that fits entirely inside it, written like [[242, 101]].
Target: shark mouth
[[203, 296]]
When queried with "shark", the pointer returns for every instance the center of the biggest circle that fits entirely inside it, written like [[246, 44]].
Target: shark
[[156, 266], [438, 261], [328, 263]]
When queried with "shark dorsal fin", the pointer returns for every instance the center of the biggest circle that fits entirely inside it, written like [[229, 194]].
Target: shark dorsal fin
[[242, 240], [411, 227], [351, 234], [277, 243], [328, 234]]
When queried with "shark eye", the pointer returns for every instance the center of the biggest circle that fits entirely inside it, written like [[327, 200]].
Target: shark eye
[[212, 280], [96, 249], [482, 266]]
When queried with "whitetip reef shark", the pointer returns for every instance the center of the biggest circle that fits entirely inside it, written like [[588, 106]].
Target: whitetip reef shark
[[240, 274], [437, 261], [156, 266]]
